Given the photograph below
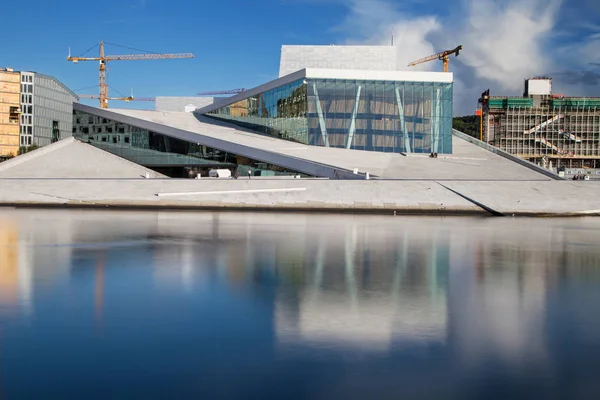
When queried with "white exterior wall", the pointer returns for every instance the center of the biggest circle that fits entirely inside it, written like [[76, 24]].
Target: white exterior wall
[[539, 87], [378, 58], [27, 109], [52, 101], [173, 103]]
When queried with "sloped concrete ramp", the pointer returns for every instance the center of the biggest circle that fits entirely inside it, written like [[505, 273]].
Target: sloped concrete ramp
[[468, 162], [70, 158]]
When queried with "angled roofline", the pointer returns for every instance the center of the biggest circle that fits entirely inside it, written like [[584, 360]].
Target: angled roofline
[[323, 73], [311, 168], [72, 93], [257, 90]]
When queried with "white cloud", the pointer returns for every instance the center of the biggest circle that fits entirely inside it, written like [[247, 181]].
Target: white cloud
[[505, 41], [375, 21], [412, 39]]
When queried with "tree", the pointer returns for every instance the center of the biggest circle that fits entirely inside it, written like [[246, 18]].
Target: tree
[[7, 157], [468, 124]]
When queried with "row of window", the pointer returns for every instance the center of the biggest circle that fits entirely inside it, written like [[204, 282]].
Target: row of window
[[25, 109], [50, 84], [104, 138], [42, 112], [27, 78], [26, 130], [26, 98], [26, 88], [99, 129], [26, 119], [53, 104], [26, 140], [89, 119]]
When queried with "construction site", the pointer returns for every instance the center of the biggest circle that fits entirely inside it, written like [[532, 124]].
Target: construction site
[[556, 132]]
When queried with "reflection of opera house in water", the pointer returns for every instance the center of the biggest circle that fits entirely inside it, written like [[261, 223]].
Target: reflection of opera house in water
[[487, 289], [374, 299], [360, 283]]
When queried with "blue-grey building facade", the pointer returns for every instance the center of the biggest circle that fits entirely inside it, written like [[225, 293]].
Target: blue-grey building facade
[[46, 110]]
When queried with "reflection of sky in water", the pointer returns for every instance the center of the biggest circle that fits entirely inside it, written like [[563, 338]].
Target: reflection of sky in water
[[322, 306]]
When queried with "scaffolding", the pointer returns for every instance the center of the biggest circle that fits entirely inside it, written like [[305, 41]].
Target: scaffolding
[[564, 132]]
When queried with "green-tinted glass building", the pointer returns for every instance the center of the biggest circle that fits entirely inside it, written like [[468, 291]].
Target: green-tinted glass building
[[385, 111]]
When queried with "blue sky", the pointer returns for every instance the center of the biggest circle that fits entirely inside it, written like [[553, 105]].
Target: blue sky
[[237, 43]]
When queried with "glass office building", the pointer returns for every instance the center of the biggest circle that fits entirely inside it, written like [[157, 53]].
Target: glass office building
[[396, 115]]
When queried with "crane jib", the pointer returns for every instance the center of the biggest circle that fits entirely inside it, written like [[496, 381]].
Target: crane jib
[[103, 96]]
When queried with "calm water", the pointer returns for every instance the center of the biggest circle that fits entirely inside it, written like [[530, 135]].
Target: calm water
[[207, 305]]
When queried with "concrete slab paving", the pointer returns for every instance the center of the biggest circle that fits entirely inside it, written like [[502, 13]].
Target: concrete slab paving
[[537, 198], [545, 198], [319, 195]]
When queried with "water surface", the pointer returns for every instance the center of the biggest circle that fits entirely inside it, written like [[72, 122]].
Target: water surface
[[239, 305]]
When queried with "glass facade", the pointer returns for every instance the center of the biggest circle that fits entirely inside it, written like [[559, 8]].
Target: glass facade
[[280, 112], [385, 116], [165, 154]]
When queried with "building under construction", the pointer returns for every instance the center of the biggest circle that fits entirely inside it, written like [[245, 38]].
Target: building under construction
[[560, 133]]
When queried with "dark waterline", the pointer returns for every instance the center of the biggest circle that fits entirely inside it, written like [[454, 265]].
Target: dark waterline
[[207, 305]]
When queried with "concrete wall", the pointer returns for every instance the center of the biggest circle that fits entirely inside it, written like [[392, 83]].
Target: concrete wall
[[294, 58], [173, 103], [52, 101]]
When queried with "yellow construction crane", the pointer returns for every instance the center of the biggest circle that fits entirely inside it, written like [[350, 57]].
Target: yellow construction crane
[[104, 59], [95, 96], [127, 99], [444, 56]]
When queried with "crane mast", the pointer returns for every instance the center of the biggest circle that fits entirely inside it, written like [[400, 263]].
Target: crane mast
[[103, 59], [103, 86]]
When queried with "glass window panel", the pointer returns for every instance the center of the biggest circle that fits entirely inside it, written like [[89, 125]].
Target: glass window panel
[[291, 112]]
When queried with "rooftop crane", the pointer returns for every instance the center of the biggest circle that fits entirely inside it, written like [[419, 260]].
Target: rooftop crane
[[232, 91], [104, 59], [444, 56], [128, 98]]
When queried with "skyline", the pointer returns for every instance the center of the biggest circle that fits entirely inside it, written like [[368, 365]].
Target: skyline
[[239, 45]]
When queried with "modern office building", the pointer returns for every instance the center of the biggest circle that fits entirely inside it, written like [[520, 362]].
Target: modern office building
[[561, 133], [35, 109], [52, 109]]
